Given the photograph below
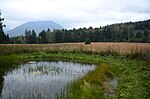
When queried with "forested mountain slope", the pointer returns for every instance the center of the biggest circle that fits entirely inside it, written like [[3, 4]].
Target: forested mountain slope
[[120, 32]]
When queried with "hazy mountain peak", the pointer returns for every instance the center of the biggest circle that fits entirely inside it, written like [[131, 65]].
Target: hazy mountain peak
[[38, 26]]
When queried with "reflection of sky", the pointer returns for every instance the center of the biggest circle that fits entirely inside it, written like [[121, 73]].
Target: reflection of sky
[[74, 13], [42, 78]]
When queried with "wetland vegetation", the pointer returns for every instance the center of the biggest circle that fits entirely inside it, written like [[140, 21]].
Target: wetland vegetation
[[53, 63], [116, 75]]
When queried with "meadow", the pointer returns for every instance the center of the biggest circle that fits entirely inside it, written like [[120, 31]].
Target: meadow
[[131, 50], [128, 63], [120, 48]]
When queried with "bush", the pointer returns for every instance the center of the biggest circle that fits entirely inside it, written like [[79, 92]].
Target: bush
[[87, 41]]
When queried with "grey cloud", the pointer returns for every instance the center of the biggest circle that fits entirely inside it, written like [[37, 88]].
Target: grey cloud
[[75, 13]]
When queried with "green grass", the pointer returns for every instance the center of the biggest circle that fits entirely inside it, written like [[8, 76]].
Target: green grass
[[132, 75]]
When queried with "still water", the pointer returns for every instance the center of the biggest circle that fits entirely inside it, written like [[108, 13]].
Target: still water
[[41, 79]]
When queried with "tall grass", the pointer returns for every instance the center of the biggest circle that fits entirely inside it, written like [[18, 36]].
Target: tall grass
[[92, 85], [131, 50], [132, 75], [8, 60]]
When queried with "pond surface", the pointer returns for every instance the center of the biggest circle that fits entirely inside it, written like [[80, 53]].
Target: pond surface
[[41, 79]]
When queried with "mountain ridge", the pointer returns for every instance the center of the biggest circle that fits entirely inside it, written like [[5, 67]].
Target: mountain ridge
[[38, 26]]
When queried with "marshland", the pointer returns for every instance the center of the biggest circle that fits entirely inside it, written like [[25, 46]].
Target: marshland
[[118, 70], [74, 49]]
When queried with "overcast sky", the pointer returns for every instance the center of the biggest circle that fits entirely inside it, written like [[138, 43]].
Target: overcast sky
[[74, 13]]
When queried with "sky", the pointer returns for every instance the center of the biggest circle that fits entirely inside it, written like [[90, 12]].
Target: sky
[[74, 13]]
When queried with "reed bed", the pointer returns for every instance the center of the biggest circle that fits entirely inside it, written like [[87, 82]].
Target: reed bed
[[132, 50]]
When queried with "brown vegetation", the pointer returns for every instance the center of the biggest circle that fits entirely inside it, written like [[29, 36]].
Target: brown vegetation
[[120, 48]]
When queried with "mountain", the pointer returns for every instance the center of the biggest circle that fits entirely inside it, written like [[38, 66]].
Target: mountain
[[38, 26]]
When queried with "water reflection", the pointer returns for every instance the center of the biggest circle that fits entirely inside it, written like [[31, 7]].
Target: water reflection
[[41, 79]]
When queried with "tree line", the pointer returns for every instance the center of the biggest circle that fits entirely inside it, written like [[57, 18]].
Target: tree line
[[121, 32]]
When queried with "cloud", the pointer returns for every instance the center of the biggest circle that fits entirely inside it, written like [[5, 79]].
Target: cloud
[[74, 13]]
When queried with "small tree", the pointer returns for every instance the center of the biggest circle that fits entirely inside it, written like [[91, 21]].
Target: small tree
[[87, 41]]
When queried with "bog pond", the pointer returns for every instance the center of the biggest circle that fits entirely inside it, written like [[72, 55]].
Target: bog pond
[[41, 79]]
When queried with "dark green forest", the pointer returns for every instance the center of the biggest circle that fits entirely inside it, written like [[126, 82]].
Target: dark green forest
[[120, 32]]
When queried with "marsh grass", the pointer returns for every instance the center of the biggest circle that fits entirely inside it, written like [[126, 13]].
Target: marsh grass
[[132, 75], [129, 63], [139, 53], [91, 86], [130, 50], [9, 60]]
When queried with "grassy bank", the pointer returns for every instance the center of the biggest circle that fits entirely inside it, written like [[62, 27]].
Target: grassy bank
[[132, 74]]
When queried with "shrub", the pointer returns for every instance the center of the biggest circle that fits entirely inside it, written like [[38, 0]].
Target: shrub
[[87, 41]]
